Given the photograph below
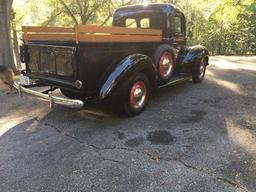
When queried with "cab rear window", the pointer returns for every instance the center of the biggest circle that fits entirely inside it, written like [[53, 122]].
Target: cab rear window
[[154, 22], [130, 23], [145, 23], [137, 23]]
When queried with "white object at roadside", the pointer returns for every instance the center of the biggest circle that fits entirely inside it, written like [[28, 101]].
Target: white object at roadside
[[24, 80]]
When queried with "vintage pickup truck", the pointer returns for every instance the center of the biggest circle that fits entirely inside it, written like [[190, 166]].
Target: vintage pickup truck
[[143, 50]]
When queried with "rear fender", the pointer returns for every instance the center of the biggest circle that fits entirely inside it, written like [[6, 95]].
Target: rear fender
[[192, 57], [128, 66]]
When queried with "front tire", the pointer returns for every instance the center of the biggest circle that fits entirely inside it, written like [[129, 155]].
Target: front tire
[[198, 77], [137, 95]]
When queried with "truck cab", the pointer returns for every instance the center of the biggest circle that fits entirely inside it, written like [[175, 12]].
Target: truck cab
[[165, 17], [145, 49]]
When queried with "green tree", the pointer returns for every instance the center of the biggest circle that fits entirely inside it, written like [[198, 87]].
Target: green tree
[[225, 27]]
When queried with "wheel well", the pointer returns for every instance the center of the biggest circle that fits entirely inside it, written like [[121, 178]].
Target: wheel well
[[207, 60], [163, 47], [151, 76]]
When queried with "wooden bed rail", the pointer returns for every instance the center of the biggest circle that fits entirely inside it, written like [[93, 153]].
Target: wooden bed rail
[[91, 33], [48, 33]]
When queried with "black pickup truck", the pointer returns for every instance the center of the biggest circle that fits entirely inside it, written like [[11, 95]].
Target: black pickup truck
[[145, 49]]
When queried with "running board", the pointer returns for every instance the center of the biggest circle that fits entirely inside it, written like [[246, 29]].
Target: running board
[[175, 81]]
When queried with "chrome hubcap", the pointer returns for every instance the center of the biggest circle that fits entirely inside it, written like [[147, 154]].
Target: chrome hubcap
[[138, 95], [165, 65]]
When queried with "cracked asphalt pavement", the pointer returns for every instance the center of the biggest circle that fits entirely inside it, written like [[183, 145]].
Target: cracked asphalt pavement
[[191, 138]]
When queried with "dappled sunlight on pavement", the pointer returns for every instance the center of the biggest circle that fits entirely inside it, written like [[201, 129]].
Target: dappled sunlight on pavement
[[17, 117], [26, 108], [11, 120], [234, 62], [242, 136], [234, 87], [230, 86]]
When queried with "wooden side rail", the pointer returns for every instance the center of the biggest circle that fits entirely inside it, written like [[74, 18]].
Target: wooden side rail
[[91, 33], [48, 33]]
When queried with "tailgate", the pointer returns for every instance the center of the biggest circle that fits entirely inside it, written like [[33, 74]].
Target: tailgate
[[52, 60]]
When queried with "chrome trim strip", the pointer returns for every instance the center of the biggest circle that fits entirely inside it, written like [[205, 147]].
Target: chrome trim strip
[[72, 103]]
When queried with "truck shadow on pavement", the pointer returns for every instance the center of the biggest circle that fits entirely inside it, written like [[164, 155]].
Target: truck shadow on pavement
[[209, 129]]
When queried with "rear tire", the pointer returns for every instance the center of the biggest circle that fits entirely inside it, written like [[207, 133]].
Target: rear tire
[[200, 71], [137, 95]]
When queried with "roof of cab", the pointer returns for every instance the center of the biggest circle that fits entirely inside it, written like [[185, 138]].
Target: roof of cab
[[153, 7]]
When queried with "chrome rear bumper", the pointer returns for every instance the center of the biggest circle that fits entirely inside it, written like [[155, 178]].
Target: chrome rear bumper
[[72, 103]]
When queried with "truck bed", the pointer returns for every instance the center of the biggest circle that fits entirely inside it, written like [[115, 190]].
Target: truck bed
[[91, 33], [60, 64], [59, 56]]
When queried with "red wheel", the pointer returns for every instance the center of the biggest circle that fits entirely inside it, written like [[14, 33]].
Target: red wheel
[[137, 95], [166, 65]]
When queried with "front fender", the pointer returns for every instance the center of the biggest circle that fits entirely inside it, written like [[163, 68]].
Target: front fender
[[128, 66], [193, 55]]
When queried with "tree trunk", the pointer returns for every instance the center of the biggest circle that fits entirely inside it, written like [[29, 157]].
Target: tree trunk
[[16, 47], [15, 42], [6, 53]]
